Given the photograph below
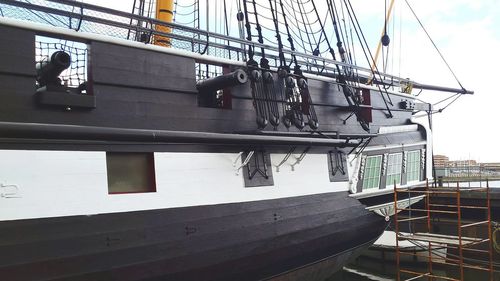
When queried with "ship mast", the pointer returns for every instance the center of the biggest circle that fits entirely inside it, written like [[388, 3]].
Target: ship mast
[[383, 41], [164, 12]]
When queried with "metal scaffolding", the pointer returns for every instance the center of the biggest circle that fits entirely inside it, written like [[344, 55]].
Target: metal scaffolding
[[432, 241]]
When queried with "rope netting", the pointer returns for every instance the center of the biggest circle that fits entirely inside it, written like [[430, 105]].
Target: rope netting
[[76, 73], [101, 22], [302, 27]]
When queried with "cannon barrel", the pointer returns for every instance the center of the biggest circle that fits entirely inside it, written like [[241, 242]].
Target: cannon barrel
[[47, 72], [234, 78]]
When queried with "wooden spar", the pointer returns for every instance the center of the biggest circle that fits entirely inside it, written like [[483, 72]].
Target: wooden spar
[[164, 12], [379, 46]]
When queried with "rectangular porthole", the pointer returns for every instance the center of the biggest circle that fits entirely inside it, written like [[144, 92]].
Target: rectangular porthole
[[62, 78], [130, 172]]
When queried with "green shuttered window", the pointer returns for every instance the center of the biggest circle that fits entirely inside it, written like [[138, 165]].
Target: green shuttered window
[[394, 165], [413, 166], [371, 176]]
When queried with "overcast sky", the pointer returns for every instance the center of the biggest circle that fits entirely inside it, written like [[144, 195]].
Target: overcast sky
[[467, 33]]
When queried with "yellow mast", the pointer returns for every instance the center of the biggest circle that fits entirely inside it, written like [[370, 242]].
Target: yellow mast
[[379, 46], [164, 12]]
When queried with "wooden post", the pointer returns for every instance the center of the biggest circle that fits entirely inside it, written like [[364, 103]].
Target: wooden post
[[397, 232], [428, 206], [459, 223], [489, 229]]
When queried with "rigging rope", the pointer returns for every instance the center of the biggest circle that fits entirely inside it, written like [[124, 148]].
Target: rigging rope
[[298, 28], [226, 25], [334, 22], [290, 40], [361, 36], [344, 37], [249, 30], [264, 63], [349, 93], [268, 92], [435, 46], [330, 49], [451, 102], [307, 33], [353, 59], [278, 37], [258, 28], [256, 83], [400, 40]]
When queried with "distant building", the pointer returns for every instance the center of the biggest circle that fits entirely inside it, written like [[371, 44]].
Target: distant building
[[462, 163], [490, 165], [444, 167], [441, 160]]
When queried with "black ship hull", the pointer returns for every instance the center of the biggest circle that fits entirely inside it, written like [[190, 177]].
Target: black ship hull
[[301, 237]]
